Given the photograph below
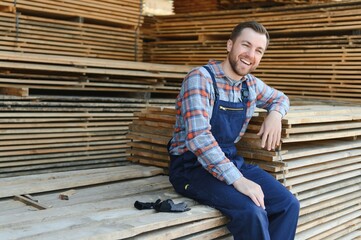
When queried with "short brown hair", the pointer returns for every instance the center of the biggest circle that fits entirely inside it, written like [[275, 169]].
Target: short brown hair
[[257, 27]]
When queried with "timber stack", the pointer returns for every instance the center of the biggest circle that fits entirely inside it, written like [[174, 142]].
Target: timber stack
[[71, 78], [314, 50], [319, 161]]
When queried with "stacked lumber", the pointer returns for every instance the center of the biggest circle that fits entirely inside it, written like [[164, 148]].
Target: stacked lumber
[[314, 50], [189, 6], [62, 73], [242, 4], [291, 20], [320, 161], [38, 34], [126, 12], [41, 134], [101, 206], [318, 67], [149, 134]]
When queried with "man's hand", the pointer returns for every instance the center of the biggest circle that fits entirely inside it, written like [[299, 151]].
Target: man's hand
[[271, 130], [251, 189]]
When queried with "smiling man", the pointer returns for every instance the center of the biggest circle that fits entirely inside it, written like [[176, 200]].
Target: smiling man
[[214, 107]]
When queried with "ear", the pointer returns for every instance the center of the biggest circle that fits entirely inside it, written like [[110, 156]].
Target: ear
[[229, 45]]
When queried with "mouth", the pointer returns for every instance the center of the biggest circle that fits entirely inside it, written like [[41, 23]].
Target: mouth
[[245, 62]]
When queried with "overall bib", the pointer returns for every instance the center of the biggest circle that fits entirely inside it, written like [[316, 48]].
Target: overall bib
[[247, 220]]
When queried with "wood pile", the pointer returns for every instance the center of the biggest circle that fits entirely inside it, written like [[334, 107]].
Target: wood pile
[[189, 6], [51, 28], [316, 19], [51, 72], [41, 134], [149, 135], [125, 12], [319, 161], [186, 6], [314, 51], [32, 34], [101, 206], [72, 67]]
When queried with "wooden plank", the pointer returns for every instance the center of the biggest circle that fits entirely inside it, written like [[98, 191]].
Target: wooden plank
[[85, 9], [15, 91], [220, 233], [30, 201], [324, 181], [143, 188], [349, 230], [319, 168], [306, 196], [313, 219], [187, 230], [329, 225], [112, 224], [21, 185]]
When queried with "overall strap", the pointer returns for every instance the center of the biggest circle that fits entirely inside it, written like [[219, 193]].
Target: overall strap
[[213, 80]]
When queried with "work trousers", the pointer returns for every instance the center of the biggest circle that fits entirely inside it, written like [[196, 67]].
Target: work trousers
[[247, 221]]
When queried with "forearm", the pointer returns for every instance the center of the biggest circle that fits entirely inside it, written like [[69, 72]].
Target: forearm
[[213, 159]]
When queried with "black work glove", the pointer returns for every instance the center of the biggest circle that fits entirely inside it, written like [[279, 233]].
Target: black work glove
[[169, 206], [145, 205]]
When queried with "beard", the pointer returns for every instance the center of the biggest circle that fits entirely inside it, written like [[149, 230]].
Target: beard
[[237, 67]]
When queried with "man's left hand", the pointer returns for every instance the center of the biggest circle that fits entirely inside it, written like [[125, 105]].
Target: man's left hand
[[270, 131]]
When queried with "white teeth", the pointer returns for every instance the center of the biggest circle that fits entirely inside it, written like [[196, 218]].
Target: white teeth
[[246, 62]]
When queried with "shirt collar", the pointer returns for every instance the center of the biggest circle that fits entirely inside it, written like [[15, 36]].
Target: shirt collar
[[219, 73]]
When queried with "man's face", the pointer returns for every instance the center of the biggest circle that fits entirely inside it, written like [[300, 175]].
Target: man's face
[[246, 52]]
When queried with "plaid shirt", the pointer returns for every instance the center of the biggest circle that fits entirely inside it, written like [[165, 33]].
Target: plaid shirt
[[194, 105]]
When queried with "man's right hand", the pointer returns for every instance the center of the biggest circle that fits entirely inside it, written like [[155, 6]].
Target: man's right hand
[[251, 189]]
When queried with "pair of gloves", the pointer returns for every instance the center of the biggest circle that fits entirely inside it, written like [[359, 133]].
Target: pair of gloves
[[162, 206]]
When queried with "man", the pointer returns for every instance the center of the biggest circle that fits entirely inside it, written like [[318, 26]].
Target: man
[[214, 107]]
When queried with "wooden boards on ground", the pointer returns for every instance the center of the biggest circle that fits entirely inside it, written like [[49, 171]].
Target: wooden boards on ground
[[103, 208]]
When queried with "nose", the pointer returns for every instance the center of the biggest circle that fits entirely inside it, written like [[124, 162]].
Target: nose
[[251, 53]]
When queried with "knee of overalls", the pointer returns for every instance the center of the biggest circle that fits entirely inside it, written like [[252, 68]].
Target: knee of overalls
[[251, 223]]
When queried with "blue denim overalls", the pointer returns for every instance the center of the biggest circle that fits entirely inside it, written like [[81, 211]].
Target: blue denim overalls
[[247, 221]]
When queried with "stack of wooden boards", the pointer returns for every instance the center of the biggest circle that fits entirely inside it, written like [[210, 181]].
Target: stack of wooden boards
[[150, 134], [53, 72], [58, 133], [320, 161], [314, 51], [186, 6], [81, 28], [100, 205], [189, 6], [71, 66]]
